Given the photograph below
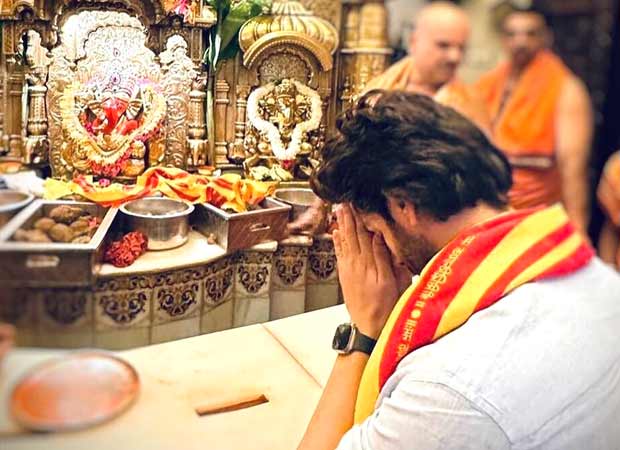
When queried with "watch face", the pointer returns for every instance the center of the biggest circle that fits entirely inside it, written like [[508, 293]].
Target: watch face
[[342, 336]]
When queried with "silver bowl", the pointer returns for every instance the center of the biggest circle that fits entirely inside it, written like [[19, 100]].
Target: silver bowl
[[164, 221], [12, 202], [300, 199]]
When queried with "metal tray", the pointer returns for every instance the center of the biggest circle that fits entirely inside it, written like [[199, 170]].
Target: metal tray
[[242, 230], [51, 264]]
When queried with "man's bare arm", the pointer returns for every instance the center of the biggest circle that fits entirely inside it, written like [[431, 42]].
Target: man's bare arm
[[370, 290], [574, 129]]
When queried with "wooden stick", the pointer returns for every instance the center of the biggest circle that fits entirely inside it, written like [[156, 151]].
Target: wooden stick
[[226, 406]]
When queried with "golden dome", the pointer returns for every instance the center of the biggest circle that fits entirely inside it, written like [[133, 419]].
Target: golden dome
[[289, 23]]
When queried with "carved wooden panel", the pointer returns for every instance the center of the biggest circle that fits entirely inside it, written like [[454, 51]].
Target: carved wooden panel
[[583, 37]]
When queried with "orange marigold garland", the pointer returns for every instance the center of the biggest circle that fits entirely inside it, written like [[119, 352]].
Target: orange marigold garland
[[124, 252]]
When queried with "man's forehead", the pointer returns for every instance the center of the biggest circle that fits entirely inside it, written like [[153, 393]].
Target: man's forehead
[[457, 35]]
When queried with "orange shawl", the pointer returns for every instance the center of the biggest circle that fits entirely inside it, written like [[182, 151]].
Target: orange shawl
[[454, 94], [475, 270], [525, 127]]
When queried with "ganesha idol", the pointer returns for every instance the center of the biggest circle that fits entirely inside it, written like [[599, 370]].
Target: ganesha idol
[[284, 132], [112, 126]]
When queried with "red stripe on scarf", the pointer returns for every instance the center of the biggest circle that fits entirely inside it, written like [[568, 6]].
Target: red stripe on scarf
[[533, 254], [579, 258]]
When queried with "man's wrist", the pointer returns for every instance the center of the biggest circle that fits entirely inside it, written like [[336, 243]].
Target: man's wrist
[[348, 339]]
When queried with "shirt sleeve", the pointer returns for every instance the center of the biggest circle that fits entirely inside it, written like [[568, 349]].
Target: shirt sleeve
[[425, 416]]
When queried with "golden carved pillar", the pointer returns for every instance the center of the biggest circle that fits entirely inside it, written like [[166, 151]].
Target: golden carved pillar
[[197, 130], [352, 27], [325, 94], [36, 141], [365, 53], [2, 107], [13, 118], [222, 88], [236, 151]]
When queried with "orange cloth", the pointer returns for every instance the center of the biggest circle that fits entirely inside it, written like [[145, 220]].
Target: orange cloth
[[475, 270], [454, 94], [525, 127], [228, 191]]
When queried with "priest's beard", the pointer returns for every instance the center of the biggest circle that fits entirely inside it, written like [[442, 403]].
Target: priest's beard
[[415, 250]]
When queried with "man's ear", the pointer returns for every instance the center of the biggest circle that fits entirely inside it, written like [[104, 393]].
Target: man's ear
[[402, 211]]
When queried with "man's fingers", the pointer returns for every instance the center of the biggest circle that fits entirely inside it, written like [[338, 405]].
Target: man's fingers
[[337, 244], [364, 237], [346, 224], [383, 259]]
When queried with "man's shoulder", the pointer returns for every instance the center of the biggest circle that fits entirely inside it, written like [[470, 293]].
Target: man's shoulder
[[574, 91], [521, 314], [509, 357]]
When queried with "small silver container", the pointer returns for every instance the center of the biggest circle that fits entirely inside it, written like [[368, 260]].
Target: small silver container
[[12, 202], [300, 199], [164, 221]]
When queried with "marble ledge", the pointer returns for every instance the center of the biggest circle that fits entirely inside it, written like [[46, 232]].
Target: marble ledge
[[298, 240], [195, 251]]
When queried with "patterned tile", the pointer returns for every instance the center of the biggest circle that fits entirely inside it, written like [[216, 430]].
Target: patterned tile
[[123, 309], [18, 306], [322, 265], [177, 295], [65, 310], [218, 283], [253, 274], [124, 283], [289, 267]]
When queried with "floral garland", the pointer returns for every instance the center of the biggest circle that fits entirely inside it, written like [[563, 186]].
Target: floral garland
[[271, 132]]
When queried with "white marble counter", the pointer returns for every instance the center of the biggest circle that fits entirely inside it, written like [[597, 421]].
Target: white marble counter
[[287, 360]]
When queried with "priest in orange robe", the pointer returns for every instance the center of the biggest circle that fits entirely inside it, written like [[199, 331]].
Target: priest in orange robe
[[436, 49], [541, 118]]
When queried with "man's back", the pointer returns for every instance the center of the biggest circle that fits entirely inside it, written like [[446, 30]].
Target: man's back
[[540, 369]]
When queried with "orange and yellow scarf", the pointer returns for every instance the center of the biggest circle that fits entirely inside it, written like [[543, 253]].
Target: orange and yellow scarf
[[475, 270], [228, 191]]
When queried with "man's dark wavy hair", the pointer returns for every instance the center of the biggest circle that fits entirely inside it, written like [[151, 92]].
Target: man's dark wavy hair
[[408, 146]]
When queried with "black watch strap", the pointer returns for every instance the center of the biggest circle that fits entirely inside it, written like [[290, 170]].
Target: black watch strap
[[363, 343]]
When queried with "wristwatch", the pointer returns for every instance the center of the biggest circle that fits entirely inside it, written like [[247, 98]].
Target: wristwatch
[[349, 339]]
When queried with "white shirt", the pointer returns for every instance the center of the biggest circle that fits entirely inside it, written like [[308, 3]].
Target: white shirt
[[540, 369]]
